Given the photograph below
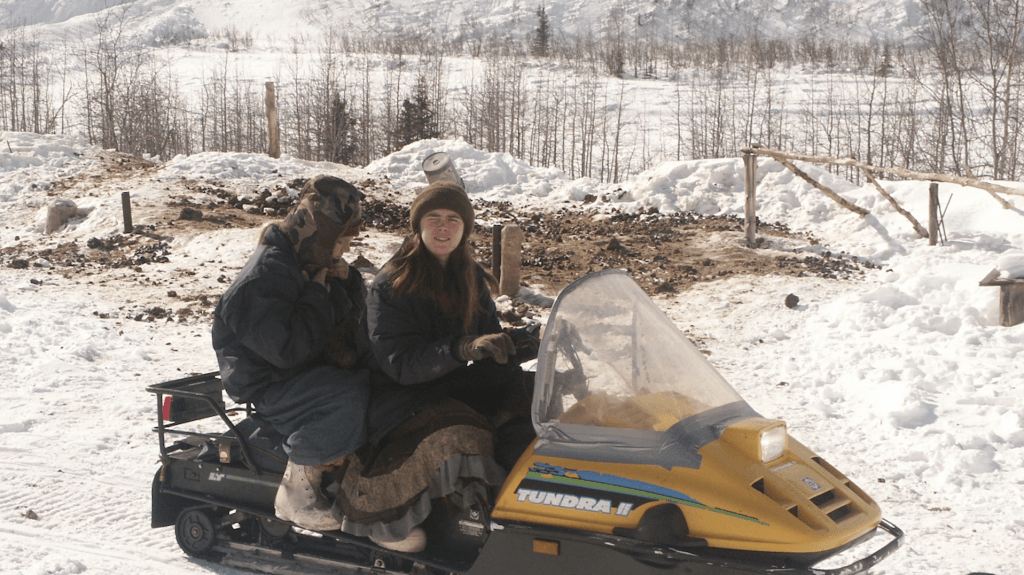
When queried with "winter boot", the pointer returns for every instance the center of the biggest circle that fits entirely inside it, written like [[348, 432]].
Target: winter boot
[[414, 542], [299, 499]]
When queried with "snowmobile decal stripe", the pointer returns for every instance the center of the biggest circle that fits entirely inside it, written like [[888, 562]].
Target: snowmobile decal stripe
[[604, 487], [555, 470], [635, 500], [633, 490]]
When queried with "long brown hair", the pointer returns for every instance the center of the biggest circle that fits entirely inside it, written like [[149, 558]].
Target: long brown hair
[[455, 288]]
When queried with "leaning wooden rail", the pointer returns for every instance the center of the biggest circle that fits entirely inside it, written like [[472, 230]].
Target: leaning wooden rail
[[785, 158], [963, 181]]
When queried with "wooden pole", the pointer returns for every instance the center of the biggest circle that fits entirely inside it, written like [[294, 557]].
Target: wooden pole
[[750, 185], [126, 209], [933, 213], [273, 129], [913, 221], [823, 188], [511, 260], [496, 251]]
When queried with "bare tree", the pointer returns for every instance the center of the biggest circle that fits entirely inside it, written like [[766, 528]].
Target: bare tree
[[999, 30], [944, 27]]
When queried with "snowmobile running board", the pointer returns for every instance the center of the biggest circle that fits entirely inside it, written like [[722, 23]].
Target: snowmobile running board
[[258, 558], [664, 558]]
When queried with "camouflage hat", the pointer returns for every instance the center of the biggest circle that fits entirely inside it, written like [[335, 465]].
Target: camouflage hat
[[328, 208]]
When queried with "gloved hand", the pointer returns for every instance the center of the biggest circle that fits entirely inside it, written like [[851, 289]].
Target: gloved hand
[[495, 345], [315, 274], [527, 341]]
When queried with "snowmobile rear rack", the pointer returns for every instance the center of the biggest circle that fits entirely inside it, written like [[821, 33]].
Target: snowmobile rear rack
[[188, 399]]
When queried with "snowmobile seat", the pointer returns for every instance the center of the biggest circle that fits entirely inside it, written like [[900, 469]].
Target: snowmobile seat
[[265, 444]]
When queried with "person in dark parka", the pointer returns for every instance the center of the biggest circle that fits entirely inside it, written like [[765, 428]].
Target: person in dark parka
[[285, 334], [436, 337]]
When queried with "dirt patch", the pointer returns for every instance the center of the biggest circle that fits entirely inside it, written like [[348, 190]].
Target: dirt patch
[[664, 253]]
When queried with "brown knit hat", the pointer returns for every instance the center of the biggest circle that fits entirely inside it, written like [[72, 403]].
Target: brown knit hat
[[442, 195]]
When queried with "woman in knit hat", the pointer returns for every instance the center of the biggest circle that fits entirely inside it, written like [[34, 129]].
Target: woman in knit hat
[[448, 376], [285, 334]]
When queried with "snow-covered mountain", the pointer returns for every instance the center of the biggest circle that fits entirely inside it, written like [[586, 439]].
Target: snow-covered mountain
[[859, 20]]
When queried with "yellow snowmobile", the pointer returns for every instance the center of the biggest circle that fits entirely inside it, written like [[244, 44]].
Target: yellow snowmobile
[[646, 461]]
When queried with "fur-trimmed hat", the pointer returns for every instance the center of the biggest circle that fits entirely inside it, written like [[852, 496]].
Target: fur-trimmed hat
[[328, 208], [442, 195]]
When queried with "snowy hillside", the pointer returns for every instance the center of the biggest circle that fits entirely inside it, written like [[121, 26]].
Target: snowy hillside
[[862, 20]]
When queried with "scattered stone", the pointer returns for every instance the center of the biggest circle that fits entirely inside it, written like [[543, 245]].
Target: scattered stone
[[58, 213], [190, 214], [19, 264], [665, 287], [792, 301]]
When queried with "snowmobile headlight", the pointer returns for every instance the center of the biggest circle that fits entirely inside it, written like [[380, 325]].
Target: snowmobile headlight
[[773, 442], [757, 439]]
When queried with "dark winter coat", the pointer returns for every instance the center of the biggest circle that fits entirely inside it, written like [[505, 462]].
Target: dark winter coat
[[270, 332], [414, 345]]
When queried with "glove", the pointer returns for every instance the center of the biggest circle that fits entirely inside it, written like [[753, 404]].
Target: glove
[[498, 346], [526, 342], [315, 274]]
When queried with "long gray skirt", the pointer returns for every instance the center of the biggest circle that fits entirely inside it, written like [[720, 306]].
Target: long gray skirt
[[445, 451]]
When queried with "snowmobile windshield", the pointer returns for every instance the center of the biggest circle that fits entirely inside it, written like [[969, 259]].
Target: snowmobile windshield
[[617, 381]]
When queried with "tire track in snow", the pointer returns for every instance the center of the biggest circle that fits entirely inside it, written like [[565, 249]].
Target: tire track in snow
[[50, 503], [85, 551]]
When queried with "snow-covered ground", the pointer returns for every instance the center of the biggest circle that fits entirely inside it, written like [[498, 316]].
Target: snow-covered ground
[[904, 380]]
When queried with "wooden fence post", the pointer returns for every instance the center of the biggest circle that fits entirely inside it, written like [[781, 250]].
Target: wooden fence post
[[273, 129], [933, 213], [126, 209], [511, 260], [750, 184], [496, 251]]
